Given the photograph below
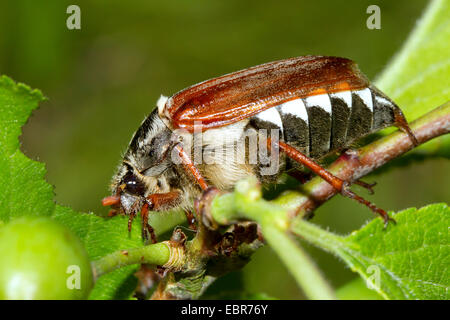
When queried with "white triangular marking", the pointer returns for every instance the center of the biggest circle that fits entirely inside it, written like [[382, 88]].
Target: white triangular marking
[[366, 97], [296, 108], [271, 115], [345, 96], [320, 100]]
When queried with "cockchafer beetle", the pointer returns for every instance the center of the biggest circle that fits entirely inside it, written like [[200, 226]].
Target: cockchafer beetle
[[312, 105]]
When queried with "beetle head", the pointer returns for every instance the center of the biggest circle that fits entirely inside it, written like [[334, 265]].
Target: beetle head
[[141, 172]]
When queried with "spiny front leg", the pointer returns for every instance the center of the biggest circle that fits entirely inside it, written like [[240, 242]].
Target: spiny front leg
[[157, 201], [146, 228]]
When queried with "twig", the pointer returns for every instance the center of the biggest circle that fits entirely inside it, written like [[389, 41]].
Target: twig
[[159, 254], [246, 203]]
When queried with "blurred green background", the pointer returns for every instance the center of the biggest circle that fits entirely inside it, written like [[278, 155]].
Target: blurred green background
[[103, 80]]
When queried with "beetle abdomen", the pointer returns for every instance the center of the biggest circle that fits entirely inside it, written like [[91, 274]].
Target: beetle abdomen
[[323, 123]]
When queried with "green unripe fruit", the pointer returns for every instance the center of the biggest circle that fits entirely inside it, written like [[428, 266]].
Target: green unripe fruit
[[40, 259]]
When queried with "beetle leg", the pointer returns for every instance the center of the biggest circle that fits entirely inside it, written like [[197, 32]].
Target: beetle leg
[[350, 194], [191, 220], [368, 186], [132, 213], [304, 177], [146, 228], [189, 165], [152, 233], [202, 207], [130, 221], [113, 212], [157, 201], [339, 184]]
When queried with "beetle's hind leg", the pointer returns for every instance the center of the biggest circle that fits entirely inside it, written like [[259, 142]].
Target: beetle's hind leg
[[345, 191], [342, 186], [368, 186], [304, 177]]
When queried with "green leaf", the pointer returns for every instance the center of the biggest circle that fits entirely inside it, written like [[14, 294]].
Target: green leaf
[[357, 290], [408, 260], [413, 255], [116, 285], [24, 192], [418, 78], [102, 236], [22, 187]]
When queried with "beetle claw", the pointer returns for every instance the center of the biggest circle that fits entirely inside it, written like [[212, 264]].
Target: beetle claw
[[368, 186]]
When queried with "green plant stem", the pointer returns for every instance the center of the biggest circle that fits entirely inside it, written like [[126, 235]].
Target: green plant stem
[[298, 262], [246, 203], [317, 236], [155, 254]]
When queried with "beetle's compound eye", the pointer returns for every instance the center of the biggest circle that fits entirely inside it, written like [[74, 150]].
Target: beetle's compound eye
[[133, 185]]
